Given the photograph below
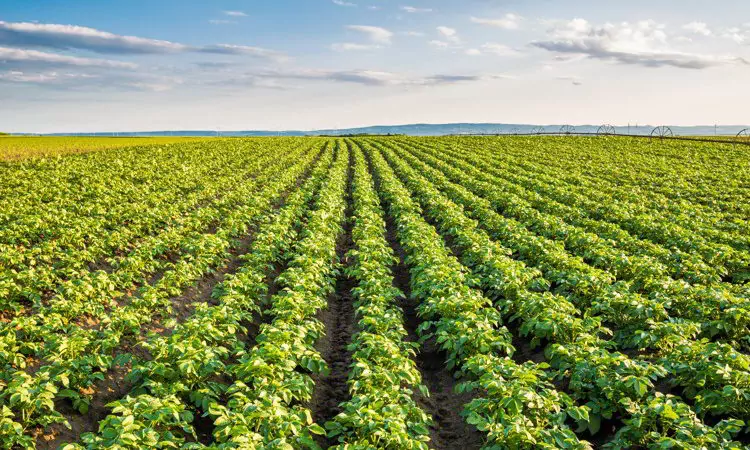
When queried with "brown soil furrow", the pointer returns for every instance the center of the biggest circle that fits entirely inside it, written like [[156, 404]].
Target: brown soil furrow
[[444, 405], [340, 324], [113, 387]]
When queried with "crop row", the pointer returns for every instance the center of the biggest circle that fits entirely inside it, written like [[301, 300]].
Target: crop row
[[181, 380], [267, 406], [73, 358], [610, 383], [705, 175], [637, 278], [691, 231], [517, 406], [557, 304], [382, 411], [73, 215], [714, 375]]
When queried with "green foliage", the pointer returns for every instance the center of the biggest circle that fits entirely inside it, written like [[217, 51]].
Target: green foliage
[[618, 268], [384, 378], [18, 148]]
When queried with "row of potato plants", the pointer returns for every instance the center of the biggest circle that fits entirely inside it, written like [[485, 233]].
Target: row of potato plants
[[93, 296], [719, 226], [681, 265], [676, 175], [516, 405], [268, 404], [716, 307], [180, 382], [610, 383], [713, 375], [92, 292], [81, 213], [684, 172], [704, 228], [384, 379], [83, 190], [627, 173], [76, 358], [556, 198], [648, 224], [86, 352]]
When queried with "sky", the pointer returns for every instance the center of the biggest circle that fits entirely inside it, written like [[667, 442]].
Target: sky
[[137, 65]]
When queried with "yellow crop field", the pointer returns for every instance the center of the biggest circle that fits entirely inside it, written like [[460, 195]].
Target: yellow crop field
[[22, 147]]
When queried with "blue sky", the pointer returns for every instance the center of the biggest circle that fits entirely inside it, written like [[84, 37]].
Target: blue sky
[[305, 64]]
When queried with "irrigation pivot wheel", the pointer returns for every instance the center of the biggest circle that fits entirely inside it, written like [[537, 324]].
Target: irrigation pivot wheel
[[743, 137], [606, 130], [515, 131], [567, 129], [662, 132], [537, 130]]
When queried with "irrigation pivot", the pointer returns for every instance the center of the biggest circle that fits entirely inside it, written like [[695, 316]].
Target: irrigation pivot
[[662, 132], [606, 130], [567, 129]]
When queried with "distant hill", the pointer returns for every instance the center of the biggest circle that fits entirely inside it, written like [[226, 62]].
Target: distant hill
[[432, 130]]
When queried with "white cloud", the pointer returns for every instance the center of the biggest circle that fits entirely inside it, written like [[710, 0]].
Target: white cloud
[[439, 44], [488, 48], [449, 34], [17, 76], [67, 37], [700, 28], [499, 49], [78, 74], [148, 86], [644, 43], [374, 34], [235, 13], [351, 46], [413, 10], [63, 37], [86, 81], [377, 78], [574, 80], [34, 57], [509, 21], [737, 34], [257, 52]]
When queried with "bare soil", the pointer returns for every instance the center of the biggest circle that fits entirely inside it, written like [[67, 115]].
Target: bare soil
[[331, 390], [444, 405]]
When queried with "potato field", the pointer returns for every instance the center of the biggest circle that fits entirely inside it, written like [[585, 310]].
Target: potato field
[[375, 293]]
